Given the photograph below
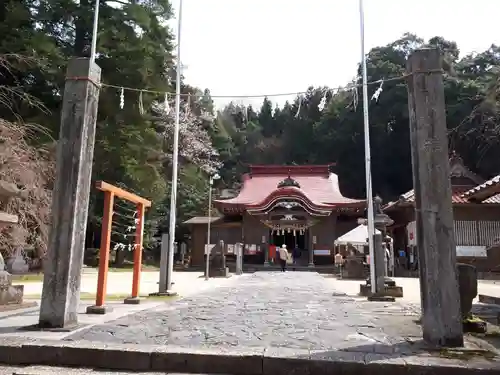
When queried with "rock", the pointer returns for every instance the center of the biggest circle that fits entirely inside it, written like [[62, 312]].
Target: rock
[[467, 286], [354, 268], [17, 264], [9, 294], [217, 264]]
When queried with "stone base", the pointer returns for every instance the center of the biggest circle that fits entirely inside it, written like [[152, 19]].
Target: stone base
[[266, 264], [224, 272], [98, 310], [474, 326], [387, 281], [17, 306], [310, 265], [167, 293], [391, 291], [41, 327], [490, 300], [381, 298], [132, 301]]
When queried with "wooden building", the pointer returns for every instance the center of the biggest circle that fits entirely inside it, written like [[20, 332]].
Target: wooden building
[[476, 218], [489, 192], [300, 206]]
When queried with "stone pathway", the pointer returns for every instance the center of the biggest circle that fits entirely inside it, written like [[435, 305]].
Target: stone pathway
[[294, 309]]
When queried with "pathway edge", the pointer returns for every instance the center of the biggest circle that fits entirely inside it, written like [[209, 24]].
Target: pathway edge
[[234, 361]]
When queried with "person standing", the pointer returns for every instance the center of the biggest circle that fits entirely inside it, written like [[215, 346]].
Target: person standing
[[283, 257], [296, 255]]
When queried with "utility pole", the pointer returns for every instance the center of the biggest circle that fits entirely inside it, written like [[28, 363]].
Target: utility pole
[[175, 159], [368, 168], [441, 316]]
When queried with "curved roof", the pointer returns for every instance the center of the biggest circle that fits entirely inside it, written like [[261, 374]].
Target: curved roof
[[316, 184]]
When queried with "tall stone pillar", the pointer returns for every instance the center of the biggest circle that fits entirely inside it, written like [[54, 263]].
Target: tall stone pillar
[[442, 318], [75, 151]]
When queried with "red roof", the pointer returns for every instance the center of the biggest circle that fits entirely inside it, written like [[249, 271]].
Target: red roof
[[484, 191], [457, 197], [317, 184]]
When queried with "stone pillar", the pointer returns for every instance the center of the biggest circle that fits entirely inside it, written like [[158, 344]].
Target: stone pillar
[[311, 257], [239, 259], [75, 151], [441, 320], [379, 256], [183, 252]]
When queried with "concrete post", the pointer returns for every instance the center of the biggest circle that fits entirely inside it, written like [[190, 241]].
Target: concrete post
[[162, 285], [379, 256], [239, 259], [441, 321], [183, 252], [75, 151]]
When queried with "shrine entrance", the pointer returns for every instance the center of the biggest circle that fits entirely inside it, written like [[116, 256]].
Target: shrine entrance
[[290, 238]]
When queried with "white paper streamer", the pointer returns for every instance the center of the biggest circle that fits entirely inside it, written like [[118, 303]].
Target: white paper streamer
[[141, 105], [322, 103], [299, 108], [377, 93], [166, 106], [122, 98]]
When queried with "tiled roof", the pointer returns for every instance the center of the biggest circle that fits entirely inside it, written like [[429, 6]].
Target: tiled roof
[[317, 185], [457, 197], [493, 199], [492, 183], [200, 220]]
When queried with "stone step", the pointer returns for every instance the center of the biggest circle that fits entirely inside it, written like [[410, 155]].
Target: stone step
[[148, 359], [49, 370]]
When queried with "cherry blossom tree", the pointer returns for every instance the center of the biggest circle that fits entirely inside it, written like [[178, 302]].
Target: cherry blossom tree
[[32, 171], [195, 144]]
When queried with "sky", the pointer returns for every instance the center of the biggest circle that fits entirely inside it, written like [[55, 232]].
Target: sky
[[259, 47]]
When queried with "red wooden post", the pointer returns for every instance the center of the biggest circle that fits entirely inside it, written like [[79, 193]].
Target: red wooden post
[[107, 219]]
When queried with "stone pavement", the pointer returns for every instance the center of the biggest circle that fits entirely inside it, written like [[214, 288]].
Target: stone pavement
[[267, 323], [293, 309]]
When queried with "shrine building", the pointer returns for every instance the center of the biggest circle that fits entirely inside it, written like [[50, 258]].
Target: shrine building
[[476, 215], [300, 206]]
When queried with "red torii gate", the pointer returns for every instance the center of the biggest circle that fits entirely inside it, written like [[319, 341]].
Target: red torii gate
[[110, 192]]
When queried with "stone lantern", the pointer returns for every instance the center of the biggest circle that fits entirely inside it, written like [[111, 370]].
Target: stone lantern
[[386, 289]]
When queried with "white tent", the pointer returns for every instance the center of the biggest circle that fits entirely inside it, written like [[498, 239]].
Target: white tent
[[356, 237]]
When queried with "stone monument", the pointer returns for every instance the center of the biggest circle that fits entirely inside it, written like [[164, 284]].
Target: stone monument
[[353, 268], [467, 288], [17, 264], [11, 296], [217, 262]]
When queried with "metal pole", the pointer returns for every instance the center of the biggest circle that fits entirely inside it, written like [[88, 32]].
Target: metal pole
[[369, 195], [94, 32], [175, 156], [207, 250]]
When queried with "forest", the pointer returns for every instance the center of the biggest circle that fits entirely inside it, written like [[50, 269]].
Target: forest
[[134, 134]]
